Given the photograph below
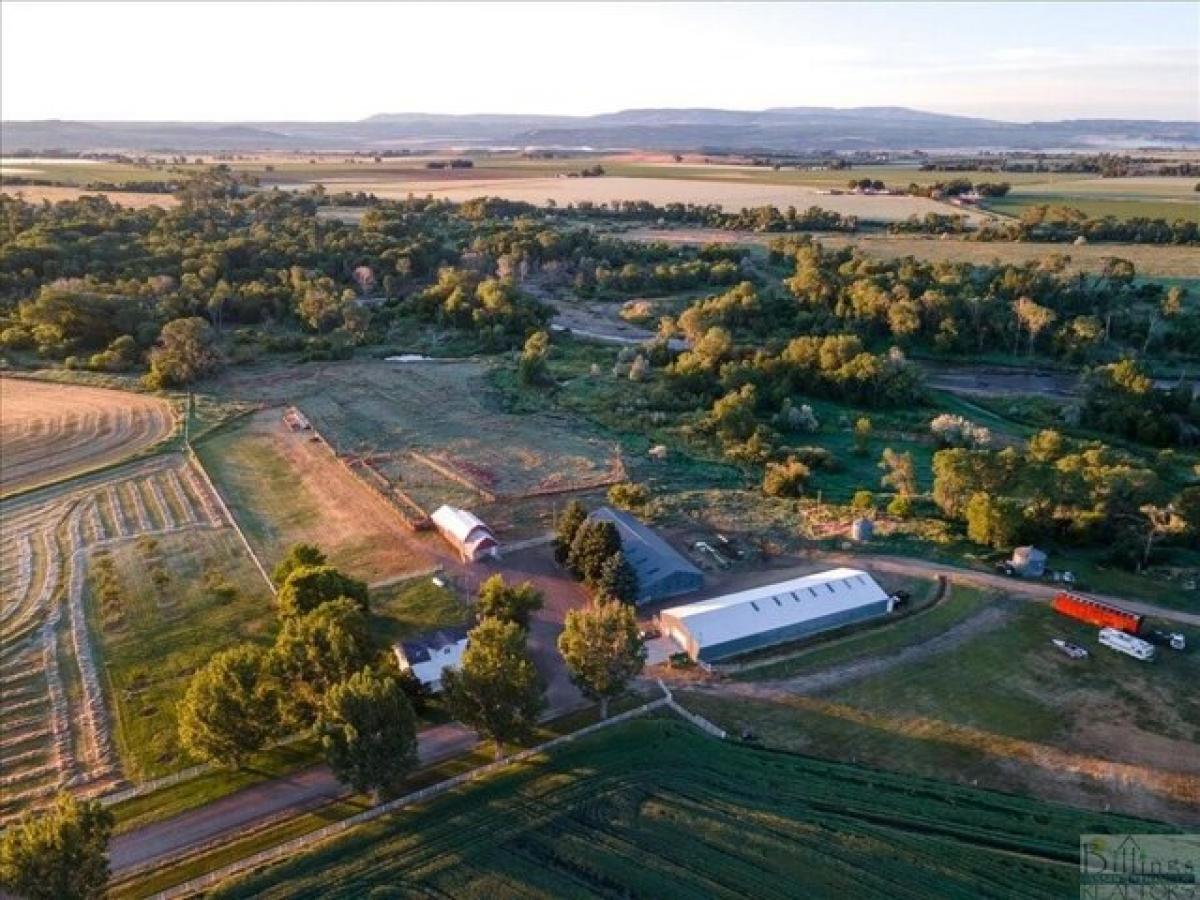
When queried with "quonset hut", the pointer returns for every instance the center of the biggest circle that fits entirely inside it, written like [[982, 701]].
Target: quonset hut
[[661, 571], [466, 533], [722, 627]]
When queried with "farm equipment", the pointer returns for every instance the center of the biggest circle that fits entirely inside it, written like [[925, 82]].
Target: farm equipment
[[1072, 650], [1127, 644], [1095, 612]]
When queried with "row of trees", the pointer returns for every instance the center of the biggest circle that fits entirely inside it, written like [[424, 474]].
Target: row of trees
[[1058, 224]]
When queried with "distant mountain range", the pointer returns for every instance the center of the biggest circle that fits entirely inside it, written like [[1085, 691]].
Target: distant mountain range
[[779, 130]]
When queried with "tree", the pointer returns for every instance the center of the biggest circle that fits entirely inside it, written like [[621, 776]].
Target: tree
[[863, 501], [862, 435], [594, 543], [1160, 522], [602, 650], [185, 352], [629, 495], [901, 473], [617, 580], [993, 521], [497, 690], [297, 556], [369, 733], [531, 367], [786, 479], [573, 516], [57, 854], [508, 603], [1034, 317], [307, 587], [901, 507], [1188, 507], [315, 651], [229, 710]]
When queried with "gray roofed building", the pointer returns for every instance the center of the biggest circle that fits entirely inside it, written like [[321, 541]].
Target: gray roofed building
[[662, 571]]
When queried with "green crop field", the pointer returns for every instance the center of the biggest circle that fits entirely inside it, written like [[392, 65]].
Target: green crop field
[[1098, 207], [182, 597], [654, 809]]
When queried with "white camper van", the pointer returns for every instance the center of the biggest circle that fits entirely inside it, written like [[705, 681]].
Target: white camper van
[[1127, 644]]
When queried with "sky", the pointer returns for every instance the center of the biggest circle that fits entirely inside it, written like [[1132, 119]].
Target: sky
[[345, 61]]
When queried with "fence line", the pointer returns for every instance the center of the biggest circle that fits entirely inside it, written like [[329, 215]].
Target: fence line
[[166, 781], [307, 841], [194, 459], [695, 718]]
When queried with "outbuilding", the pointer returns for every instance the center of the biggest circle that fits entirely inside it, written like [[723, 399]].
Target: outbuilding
[[1028, 562], [716, 629], [466, 533], [428, 655], [662, 571]]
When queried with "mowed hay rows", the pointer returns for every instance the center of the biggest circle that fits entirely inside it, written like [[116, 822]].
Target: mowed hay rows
[[52, 431], [55, 728]]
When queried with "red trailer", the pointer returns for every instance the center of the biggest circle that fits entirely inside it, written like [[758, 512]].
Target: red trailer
[[1103, 615]]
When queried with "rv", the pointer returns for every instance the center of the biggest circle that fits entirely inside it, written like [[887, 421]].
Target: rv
[[1127, 644]]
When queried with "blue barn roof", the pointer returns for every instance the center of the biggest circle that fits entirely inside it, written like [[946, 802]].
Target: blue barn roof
[[661, 570]]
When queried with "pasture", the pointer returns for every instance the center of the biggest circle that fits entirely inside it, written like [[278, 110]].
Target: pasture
[[55, 695], [438, 432], [161, 606], [284, 489], [1167, 198], [654, 809], [55, 431], [1151, 261], [997, 705]]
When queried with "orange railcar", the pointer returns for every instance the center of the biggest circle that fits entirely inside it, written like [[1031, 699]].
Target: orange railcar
[[1094, 612]]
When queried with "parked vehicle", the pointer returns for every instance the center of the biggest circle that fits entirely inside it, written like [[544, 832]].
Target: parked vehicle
[[1072, 650], [1172, 639], [900, 598], [1127, 644]]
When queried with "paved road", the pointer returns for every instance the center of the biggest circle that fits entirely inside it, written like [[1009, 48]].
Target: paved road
[[907, 566], [256, 806]]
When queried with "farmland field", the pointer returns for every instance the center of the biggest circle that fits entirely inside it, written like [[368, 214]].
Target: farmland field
[[654, 809], [53, 431], [59, 192], [1002, 708], [55, 710], [435, 430], [1150, 260], [284, 489], [1151, 197], [174, 601]]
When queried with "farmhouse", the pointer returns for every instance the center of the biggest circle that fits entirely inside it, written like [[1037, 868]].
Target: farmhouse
[[661, 571], [466, 533], [726, 626], [427, 655]]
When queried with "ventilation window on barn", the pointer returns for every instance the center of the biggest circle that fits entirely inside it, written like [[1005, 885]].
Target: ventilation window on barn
[[755, 605]]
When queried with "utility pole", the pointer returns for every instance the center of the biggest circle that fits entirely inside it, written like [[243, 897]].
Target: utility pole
[[187, 423]]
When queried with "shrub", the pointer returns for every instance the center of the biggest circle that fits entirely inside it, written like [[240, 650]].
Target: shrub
[[786, 479]]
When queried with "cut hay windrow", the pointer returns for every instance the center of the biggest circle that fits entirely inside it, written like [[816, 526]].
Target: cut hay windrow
[[183, 503], [133, 500], [115, 512], [161, 510]]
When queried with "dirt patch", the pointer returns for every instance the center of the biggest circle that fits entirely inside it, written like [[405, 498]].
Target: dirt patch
[[51, 431]]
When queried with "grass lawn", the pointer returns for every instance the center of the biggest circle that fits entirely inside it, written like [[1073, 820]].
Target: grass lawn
[[182, 597], [411, 607], [1005, 708], [654, 809]]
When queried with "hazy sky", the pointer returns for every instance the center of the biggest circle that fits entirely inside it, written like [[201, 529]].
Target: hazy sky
[[318, 61]]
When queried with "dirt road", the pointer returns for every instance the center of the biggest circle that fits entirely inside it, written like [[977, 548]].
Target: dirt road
[[902, 565], [258, 805]]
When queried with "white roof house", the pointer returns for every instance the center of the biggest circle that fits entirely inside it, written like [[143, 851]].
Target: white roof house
[[466, 532], [428, 655], [775, 613]]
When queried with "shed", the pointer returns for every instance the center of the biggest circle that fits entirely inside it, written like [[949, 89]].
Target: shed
[[1029, 562], [727, 626], [466, 532], [662, 571], [862, 529], [428, 655]]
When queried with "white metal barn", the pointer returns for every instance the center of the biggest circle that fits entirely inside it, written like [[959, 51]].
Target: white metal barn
[[471, 538], [722, 627]]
